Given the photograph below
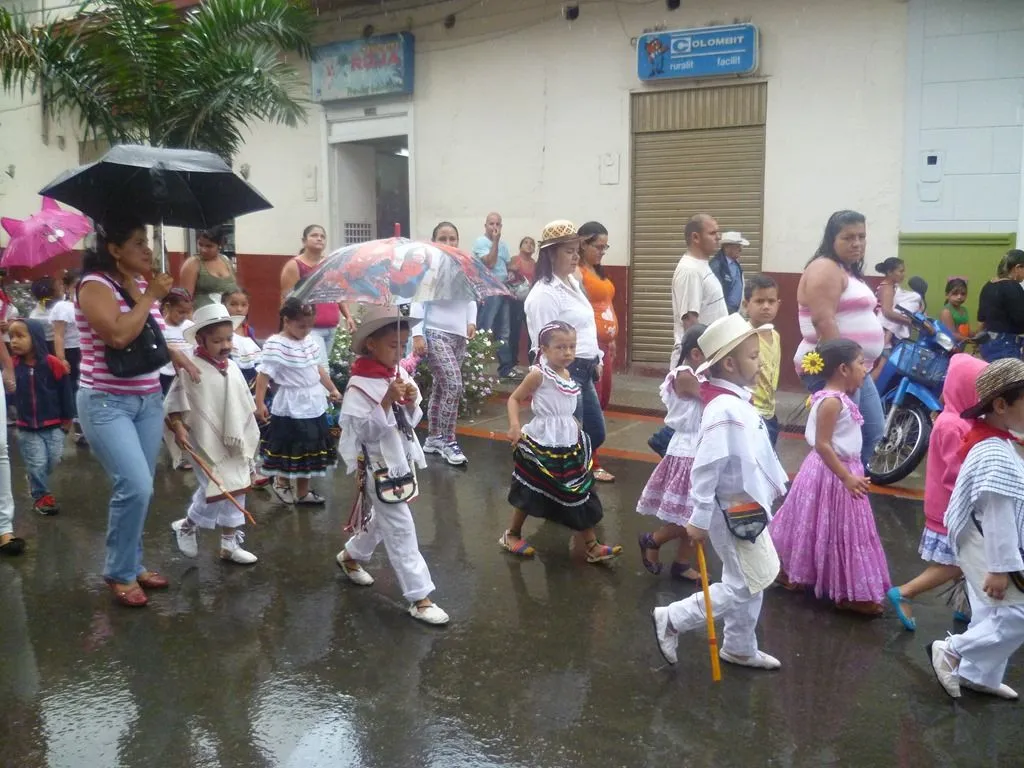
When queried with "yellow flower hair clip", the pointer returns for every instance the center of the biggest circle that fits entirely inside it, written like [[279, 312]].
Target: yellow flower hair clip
[[813, 363]]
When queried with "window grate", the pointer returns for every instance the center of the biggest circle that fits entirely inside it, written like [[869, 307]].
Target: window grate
[[357, 232]]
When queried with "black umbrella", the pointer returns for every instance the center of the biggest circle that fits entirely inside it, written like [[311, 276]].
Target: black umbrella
[[175, 187]]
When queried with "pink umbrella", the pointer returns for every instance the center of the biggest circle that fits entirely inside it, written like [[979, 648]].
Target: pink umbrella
[[43, 235]]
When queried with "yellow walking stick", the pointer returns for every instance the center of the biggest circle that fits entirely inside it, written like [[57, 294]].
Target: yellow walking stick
[[716, 669]]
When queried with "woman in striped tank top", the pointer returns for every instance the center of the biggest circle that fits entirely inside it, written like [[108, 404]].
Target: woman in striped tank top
[[834, 301], [122, 417]]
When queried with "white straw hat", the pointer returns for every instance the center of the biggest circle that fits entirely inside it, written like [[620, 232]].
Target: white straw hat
[[734, 238], [723, 336], [211, 314], [376, 317]]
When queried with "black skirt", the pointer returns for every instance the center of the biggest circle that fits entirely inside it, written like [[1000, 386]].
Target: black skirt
[[297, 448], [556, 483]]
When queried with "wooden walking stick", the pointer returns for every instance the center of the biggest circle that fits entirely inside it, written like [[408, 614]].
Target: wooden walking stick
[[716, 669], [209, 473]]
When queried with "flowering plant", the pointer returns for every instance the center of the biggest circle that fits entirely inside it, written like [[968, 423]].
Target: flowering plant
[[340, 358], [813, 363]]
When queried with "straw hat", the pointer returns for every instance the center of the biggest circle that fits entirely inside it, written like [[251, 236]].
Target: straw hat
[[376, 317], [558, 231], [996, 380], [723, 336], [211, 314], [734, 238]]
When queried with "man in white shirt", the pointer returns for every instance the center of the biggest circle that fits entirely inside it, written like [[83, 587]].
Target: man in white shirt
[[696, 292]]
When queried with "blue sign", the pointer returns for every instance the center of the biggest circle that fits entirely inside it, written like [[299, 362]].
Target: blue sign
[[373, 66], [705, 52]]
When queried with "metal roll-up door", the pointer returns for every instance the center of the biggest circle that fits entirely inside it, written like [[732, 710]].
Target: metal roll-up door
[[680, 172]]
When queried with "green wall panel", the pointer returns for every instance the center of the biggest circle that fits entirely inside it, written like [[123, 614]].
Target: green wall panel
[[937, 257]]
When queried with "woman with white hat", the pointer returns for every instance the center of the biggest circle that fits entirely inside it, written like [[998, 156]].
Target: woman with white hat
[[558, 297], [380, 409]]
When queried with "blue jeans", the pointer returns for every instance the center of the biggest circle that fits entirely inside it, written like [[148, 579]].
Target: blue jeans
[[867, 399], [494, 317], [124, 432], [41, 450], [588, 408], [999, 346]]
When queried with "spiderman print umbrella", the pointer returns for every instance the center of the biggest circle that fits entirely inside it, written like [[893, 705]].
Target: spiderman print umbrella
[[397, 270]]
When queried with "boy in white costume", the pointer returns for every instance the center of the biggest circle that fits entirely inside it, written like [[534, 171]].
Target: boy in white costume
[[736, 477], [985, 518], [217, 416], [380, 408]]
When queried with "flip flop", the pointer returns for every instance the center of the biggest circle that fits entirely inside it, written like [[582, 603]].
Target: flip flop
[[521, 547], [897, 600]]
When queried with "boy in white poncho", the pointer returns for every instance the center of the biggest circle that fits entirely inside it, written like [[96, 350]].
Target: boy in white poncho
[[985, 518], [217, 417], [380, 408]]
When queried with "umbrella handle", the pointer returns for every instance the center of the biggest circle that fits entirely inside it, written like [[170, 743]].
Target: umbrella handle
[[716, 668]]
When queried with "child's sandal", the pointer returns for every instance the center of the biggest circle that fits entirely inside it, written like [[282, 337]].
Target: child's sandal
[[646, 542], [599, 553], [521, 547]]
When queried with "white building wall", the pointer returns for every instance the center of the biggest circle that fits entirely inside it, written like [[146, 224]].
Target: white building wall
[[965, 109], [514, 107]]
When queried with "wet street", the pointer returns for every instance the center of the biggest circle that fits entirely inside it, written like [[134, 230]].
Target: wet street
[[549, 662]]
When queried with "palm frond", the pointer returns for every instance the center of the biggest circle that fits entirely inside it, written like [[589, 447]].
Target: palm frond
[[283, 24]]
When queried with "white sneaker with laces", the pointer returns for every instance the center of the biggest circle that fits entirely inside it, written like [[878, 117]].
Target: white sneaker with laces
[[759, 660], [454, 455], [358, 574], [434, 445], [231, 549], [187, 536], [284, 495], [430, 614], [668, 639], [1003, 691]]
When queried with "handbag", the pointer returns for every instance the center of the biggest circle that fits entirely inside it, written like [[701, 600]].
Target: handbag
[[746, 521], [391, 490], [518, 286], [146, 353]]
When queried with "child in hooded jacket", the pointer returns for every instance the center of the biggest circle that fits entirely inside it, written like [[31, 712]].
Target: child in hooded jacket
[[43, 396]]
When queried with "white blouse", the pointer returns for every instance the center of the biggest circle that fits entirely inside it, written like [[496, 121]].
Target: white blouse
[[174, 335], [553, 406], [245, 352], [847, 439], [565, 301], [453, 317], [294, 367], [683, 415]]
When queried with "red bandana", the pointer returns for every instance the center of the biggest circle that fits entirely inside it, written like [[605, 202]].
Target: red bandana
[[220, 365], [371, 368], [709, 392], [981, 431]]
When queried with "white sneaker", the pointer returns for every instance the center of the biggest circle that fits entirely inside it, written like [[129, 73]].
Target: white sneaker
[[357, 575], [1003, 691], [668, 639], [454, 455], [430, 614], [284, 495], [231, 549], [187, 538], [945, 672], [759, 660], [433, 445]]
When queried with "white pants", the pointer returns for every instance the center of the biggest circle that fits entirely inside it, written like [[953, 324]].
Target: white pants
[[730, 598], [6, 497], [995, 633], [208, 514], [393, 524]]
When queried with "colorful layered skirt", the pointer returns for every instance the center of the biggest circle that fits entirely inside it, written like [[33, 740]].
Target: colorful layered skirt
[[555, 483]]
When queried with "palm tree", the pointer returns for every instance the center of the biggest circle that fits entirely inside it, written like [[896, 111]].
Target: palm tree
[[141, 71]]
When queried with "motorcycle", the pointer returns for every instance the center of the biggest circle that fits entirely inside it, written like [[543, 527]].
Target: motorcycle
[[910, 386]]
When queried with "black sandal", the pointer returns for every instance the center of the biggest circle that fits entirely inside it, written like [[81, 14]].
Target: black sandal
[[14, 546]]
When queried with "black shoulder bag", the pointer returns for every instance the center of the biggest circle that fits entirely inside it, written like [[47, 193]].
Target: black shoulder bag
[[146, 353]]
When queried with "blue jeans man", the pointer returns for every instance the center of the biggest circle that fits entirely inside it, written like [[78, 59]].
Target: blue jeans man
[[493, 316]]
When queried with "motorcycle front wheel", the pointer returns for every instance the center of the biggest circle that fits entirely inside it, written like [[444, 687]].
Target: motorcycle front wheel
[[903, 446]]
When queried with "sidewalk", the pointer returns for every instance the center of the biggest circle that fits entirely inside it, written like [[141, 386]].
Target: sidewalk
[[636, 412]]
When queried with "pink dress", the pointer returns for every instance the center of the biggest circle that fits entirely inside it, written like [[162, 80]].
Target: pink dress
[[667, 493], [826, 538]]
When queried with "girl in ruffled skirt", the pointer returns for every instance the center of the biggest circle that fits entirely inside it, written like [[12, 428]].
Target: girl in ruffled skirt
[[825, 531]]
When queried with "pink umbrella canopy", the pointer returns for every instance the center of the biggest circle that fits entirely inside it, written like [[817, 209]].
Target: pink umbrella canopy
[[43, 235]]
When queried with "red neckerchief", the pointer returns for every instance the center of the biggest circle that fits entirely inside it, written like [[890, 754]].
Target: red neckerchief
[[981, 431], [53, 363], [371, 368], [709, 392], [220, 365]]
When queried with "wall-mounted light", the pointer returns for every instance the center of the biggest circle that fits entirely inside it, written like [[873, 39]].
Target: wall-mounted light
[[244, 170], [571, 12]]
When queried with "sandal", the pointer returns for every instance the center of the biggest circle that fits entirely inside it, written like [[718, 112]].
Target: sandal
[[13, 546], [681, 572], [128, 595], [311, 499], [521, 547], [599, 553], [152, 580], [603, 476], [646, 542], [897, 600]]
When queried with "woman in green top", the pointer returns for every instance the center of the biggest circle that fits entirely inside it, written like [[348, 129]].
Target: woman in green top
[[209, 275], [954, 314]]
